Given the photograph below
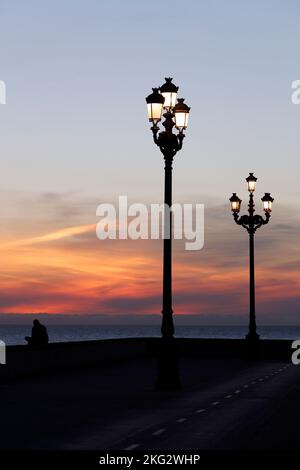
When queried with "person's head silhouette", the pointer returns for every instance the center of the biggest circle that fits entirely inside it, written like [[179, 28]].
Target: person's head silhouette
[[36, 322]]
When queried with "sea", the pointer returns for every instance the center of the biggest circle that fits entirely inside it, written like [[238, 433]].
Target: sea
[[15, 334]]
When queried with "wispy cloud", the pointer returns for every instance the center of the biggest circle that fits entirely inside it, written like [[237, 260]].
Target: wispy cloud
[[52, 261], [49, 237]]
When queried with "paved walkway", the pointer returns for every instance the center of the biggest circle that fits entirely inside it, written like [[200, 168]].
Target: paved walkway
[[224, 404]]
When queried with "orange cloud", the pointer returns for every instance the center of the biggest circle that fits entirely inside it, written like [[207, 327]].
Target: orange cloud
[[69, 270]]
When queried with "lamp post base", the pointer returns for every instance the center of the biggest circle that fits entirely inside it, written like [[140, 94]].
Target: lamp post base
[[167, 367], [253, 345], [252, 337]]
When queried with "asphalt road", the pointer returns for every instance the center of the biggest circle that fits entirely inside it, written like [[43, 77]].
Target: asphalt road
[[257, 410], [224, 404]]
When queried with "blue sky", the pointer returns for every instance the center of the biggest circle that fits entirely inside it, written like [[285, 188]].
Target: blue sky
[[74, 130], [77, 74]]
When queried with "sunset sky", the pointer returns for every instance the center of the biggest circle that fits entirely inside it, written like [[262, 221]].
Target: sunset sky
[[74, 134]]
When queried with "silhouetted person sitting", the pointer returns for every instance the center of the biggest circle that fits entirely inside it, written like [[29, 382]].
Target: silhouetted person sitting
[[39, 336]]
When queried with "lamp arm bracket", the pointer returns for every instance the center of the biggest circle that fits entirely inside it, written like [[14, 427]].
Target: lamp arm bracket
[[180, 138], [155, 130], [243, 220], [259, 220], [169, 144]]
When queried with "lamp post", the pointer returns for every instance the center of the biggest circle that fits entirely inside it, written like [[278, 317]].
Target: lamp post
[[169, 143], [251, 223]]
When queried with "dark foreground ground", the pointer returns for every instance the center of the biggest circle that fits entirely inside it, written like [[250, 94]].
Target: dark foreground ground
[[225, 403]]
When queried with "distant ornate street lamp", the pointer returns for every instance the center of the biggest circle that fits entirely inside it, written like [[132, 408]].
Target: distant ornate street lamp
[[169, 143], [251, 223]]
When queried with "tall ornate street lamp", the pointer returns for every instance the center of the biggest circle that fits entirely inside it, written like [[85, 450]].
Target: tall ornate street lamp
[[251, 223], [169, 143]]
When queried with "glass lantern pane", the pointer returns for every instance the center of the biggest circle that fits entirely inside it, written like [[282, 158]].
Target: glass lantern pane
[[173, 99], [170, 99], [267, 206], [251, 185], [154, 111], [181, 120]]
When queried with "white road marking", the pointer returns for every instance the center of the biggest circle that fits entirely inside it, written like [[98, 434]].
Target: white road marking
[[133, 446], [202, 410], [158, 432]]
